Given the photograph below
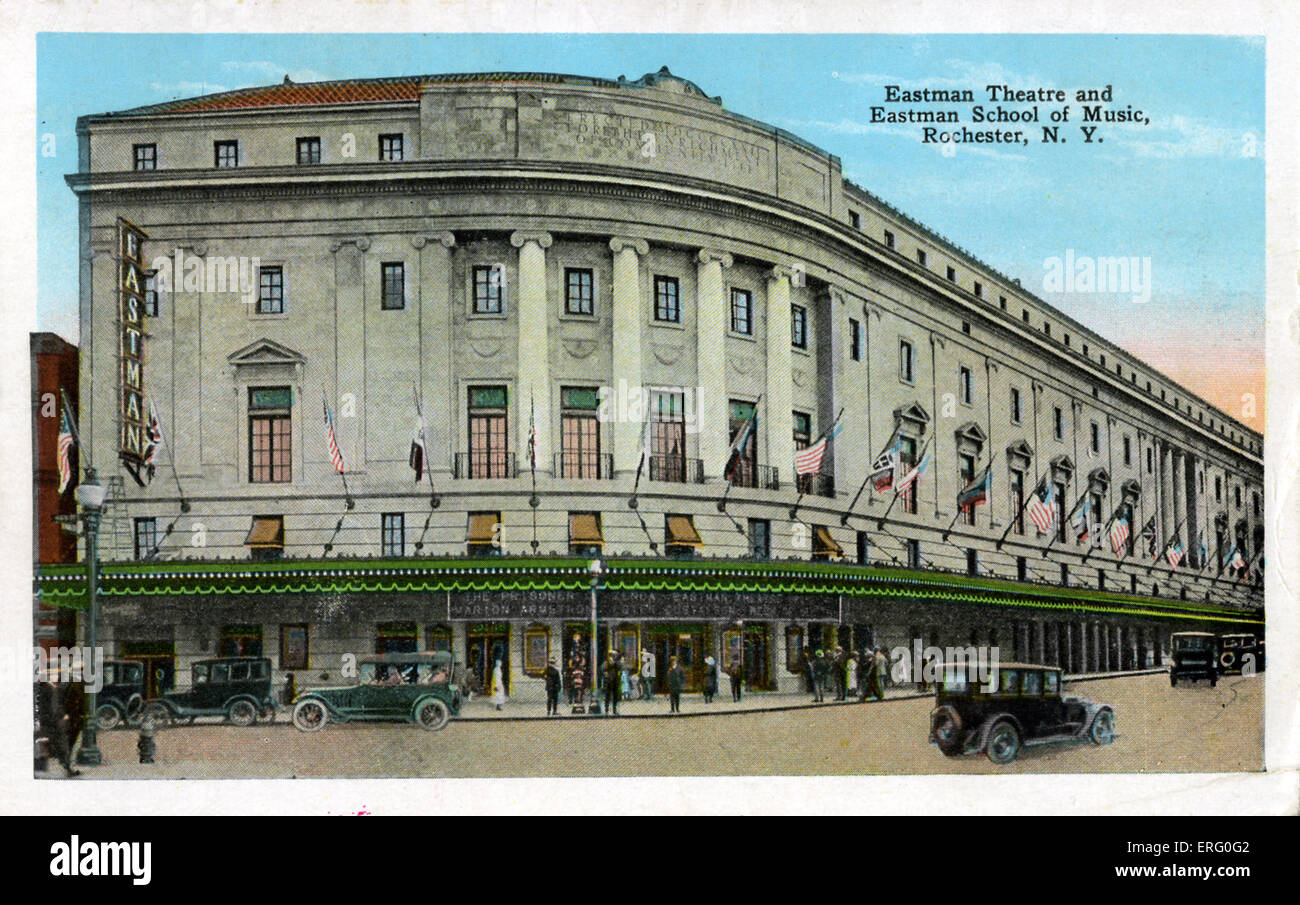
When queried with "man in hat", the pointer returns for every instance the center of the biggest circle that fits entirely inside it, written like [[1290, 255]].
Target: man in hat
[[647, 675], [553, 683], [820, 668], [840, 665]]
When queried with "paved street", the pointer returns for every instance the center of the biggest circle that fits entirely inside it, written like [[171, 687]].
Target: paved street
[[1161, 729]]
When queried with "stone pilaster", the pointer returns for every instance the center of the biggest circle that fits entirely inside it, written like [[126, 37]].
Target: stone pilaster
[[711, 361], [349, 367], [533, 381], [777, 405], [629, 308], [437, 382]]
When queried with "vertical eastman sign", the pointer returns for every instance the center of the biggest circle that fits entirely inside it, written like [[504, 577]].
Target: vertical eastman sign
[[132, 432]]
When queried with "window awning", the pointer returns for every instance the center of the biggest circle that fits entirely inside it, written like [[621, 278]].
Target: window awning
[[824, 543], [482, 527], [584, 528], [267, 532], [681, 532]]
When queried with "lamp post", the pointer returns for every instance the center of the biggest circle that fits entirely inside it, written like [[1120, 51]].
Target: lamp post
[[90, 494], [741, 624], [597, 568]]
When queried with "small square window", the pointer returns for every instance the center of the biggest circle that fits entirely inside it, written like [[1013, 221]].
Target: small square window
[[855, 219], [308, 151], [668, 305], [391, 147], [965, 327], [225, 154], [920, 256], [579, 291], [952, 275], [1002, 302], [145, 157], [392, 291], [890, 242], [979, 290]]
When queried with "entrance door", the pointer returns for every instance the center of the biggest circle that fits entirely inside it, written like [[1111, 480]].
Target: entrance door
[[686, 643], [487, 645], [159, 659], [757, 657]]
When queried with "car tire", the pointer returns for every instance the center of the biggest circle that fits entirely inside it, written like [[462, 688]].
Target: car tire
[[1003, 743], [945, 725], [310, 715], [157, 713], [432, 714], [108, 717], [1103, 728], [1227, 660], [242, 713]]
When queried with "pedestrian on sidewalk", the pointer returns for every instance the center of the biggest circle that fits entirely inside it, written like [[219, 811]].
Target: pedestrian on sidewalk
[[676, 685], [736, 671], [852, 669], [881, 670], [498, 687], [577, 677], [866, 672], [710, 679], [820, 667], [625, 678], [613, 682], [839, 669], [809, 673], [647, 675], [553, 682], [56, 722]]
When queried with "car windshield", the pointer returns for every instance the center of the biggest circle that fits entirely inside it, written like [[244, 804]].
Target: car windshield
[[1052, 682], [1195, 642]]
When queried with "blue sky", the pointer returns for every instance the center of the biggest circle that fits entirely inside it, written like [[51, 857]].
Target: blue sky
[[1184, 190]]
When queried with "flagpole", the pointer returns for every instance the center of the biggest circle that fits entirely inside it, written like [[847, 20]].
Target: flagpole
[[880, 524], [794, 510], [1105, 531], [722, 503], [1073, 510], [533, 500], [960, 508], [844, 519], [1023, 506], [329, 421], [640, 465], [434, 500]]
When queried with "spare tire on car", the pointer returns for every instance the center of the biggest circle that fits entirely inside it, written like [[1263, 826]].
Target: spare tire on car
[[946, 727]]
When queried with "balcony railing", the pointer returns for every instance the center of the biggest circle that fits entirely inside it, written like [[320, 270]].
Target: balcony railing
[[584, 466], [484, 465], [762, 477], [816, 485], [676, 470]]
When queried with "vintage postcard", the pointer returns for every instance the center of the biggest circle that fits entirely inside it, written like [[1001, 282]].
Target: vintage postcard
[[476, 405]]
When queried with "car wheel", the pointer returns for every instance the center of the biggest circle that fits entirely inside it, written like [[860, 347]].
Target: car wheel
[[1103, 728], [268, 715], [1003, 744], [946, 727], [242, 713], [310, 716], [158, 714], [432, 714], [108, 717], [1228, 660]]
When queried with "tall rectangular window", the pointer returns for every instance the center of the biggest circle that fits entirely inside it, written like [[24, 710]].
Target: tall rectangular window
[[150, 294], [742, 312], [270, 446], [308, 151], [1017, 482], [488, 452], [1060, 504], [855, 219], [966, 474], [920, 256], [294, 647], [1095, 437], [864, 549], [855, 339], [489, 281], [1015, 406], [799, 326], [1128, 451], [952, 275], [1058, 423], [913, 548], [668, 437], [1218, 483], [392, 289], [225, 154], [906, 362], [907, 459], [390, 147], [746, 469], [890, 241], [579, 433], [392, 540], [145, 157], [270, 290], [760, 539], [579, 291], [668, 304], [967, 380], [146, 537]]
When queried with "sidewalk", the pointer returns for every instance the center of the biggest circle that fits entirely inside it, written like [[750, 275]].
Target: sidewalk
[[530, 707]]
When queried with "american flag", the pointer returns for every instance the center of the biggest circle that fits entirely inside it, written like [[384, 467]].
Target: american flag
[[809, 459], [154, 435], [532, 437], [1174, 554], [65, 450], [1042, 509], [336, 456], [909, 479], [1119, 536], [1083, 521]]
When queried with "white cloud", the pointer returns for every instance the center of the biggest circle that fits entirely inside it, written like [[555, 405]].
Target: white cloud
[[1185, 136]]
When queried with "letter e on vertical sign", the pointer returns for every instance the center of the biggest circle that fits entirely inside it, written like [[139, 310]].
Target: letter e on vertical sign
[[132, 412]]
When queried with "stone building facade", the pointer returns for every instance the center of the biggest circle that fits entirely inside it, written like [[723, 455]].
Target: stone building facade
[[534, 262]]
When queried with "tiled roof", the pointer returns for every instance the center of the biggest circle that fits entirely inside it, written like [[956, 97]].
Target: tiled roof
[[349, 91]]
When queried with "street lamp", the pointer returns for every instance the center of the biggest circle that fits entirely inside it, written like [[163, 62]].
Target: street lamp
[[741, 624], [90, 495]]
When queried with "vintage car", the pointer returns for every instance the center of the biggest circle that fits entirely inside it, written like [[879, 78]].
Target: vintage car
[[1195, 656], [236, 688], [121, 697], [408, 687], [1020, 704], [1240, 652]]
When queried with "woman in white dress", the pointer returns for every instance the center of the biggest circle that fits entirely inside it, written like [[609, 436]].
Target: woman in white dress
[[498, 687]]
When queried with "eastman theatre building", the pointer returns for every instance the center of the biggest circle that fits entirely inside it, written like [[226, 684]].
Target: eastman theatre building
[[529, 257]]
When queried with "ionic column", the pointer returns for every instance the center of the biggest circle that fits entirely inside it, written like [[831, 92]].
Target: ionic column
[[349, 367], [777, 405], [711, 361], [1082, 635], [627, 365], [1179, 496], [1105, 648], [533, 383], [437, 383], [1166, 493], [1040, 642]]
